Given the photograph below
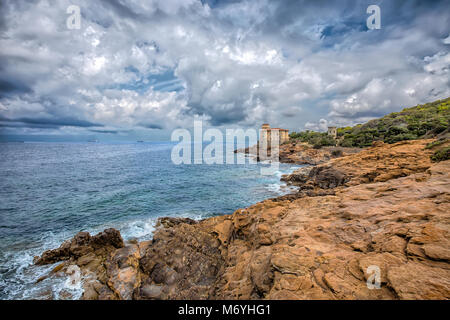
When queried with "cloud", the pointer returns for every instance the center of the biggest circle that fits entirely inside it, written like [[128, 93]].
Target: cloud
[[152, 126], [105, 131], [446, 40], [50, 123], [321, 125], [159, 64]]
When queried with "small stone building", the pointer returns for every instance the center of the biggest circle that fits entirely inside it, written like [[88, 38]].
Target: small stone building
[[266, 133], [332, 132]]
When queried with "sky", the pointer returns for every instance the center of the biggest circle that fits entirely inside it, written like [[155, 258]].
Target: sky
[[137, 70]]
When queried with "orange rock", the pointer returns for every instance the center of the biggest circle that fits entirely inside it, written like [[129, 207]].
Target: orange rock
[[387, 206]]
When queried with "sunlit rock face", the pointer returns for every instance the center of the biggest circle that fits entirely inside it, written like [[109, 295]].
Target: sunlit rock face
[[386, 207]]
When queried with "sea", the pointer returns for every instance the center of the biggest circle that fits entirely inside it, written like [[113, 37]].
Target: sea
[[50, 191]]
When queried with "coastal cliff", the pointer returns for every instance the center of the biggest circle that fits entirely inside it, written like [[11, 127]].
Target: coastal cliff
[[297, 152], [387, 206]]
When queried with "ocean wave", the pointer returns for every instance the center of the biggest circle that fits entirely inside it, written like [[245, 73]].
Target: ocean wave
[[280, 188], [19, 275]]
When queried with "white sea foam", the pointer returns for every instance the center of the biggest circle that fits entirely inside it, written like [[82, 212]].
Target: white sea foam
[[279, 187], [20, 276], [278, 174], [142, 229], [138, 229], [274, 187]]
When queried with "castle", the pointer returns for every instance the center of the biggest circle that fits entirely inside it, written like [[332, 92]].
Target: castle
[[266, 133]]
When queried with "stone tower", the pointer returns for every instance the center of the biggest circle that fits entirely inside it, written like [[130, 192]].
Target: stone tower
[[266, 134], [332, 131]]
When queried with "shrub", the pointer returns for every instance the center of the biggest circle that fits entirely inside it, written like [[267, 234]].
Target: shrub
[[336, 153], [441, 155], [436, 143], [294, 135], [327, 141], [400, 137], [317, 139], [347, 143]]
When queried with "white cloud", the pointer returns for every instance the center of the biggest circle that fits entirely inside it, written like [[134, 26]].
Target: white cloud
[[322, 125], [446, 40], [438, 64], [241, 63]]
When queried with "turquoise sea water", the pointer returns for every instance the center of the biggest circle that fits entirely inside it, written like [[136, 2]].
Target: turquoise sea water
[[50, 191]]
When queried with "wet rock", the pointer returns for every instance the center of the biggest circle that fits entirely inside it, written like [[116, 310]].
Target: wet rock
[[109, 237], [59, 267], [80, 245], [301, 176], [42, 278], [65, 295]]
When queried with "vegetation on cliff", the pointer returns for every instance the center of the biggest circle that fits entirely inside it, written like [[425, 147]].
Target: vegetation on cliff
[[422, 121], [441, 155], [317, 139]]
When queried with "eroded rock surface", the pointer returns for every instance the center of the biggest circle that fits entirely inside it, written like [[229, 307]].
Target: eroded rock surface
[[381, 162], [387, 206], [82, 246]]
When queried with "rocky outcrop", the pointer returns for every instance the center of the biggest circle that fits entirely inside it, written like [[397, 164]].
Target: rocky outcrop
[[83, 245], [300, 153], [303, 153], [183, 262], [385, 209], [381, 162], [324, 177], [89, 254]]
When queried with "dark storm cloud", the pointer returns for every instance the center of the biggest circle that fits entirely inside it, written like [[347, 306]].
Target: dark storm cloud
[[159, 64], [49, 122], [7, 87], [105, 131], [152, 126]]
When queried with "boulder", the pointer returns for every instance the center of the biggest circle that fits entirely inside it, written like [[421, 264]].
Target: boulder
[[80, 245]]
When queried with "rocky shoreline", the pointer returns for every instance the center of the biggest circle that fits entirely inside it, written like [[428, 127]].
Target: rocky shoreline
[[296, 152], [386, 206]]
